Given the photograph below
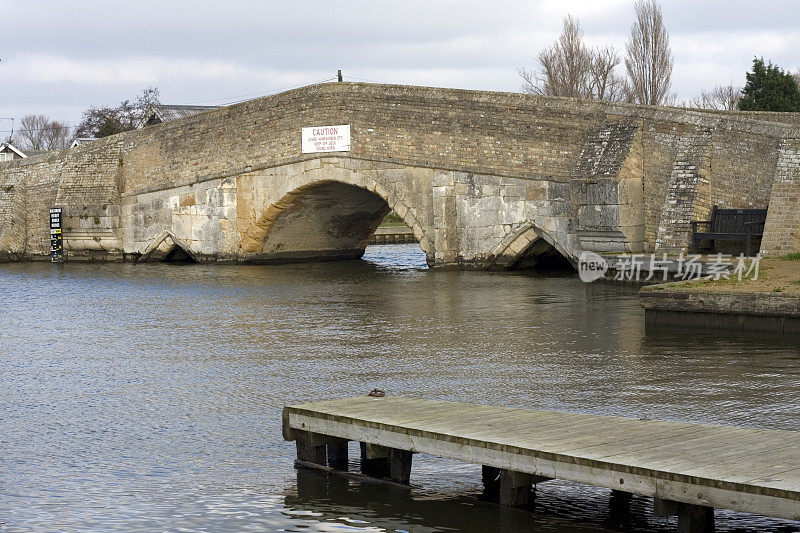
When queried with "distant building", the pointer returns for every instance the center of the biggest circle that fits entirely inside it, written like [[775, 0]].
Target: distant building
[[9, 152], [81, 140], [156, 114]]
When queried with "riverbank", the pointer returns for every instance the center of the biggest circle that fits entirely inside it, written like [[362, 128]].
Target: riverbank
[[769, 301], [392, 234]]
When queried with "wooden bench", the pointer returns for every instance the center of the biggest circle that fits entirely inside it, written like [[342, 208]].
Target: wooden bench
[[740, 225]]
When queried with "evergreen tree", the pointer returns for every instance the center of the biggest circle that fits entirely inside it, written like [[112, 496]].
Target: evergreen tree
[[769, 88]]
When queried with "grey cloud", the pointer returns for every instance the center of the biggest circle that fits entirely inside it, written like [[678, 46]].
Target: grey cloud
[[269, 45]]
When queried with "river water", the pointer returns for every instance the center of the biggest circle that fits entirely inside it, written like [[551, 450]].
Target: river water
[[148, 397]]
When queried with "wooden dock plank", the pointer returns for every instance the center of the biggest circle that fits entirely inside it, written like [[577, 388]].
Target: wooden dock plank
[[523, 432], [606, 438], [751, 470], [730, 462], [718, 453], [676, 440], [788, 480], [717, 442]]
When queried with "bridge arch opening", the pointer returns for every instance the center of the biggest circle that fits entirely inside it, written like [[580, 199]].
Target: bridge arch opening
[[167, 248], [541, 255], [529, 247], [322, 221]]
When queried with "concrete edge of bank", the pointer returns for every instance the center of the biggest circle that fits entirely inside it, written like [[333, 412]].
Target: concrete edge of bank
[[681, 305], [392, 235]]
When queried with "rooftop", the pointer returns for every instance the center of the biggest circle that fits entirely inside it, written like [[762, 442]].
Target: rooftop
[[156, 114]]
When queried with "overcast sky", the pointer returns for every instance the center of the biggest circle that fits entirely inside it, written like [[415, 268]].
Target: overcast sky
[[59, 57]]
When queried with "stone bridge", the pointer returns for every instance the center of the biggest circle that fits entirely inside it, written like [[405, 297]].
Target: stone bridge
[[485, 180]]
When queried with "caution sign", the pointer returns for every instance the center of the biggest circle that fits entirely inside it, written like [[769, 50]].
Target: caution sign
[[326, 139], [56, 236]]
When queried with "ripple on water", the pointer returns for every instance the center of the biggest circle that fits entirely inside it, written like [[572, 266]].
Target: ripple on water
[[141, 397]]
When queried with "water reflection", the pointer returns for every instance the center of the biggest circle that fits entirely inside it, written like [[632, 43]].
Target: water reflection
[[387, 508]]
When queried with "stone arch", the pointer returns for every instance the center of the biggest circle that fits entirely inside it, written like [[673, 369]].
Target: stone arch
[[526, 241], [326, 209], [166, 247]]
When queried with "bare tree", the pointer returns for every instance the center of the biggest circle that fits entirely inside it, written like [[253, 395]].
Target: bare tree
[[649, 61], [37, 132], [564, 66], [721, 98], [530, 81], [605, 83], [569, 68]]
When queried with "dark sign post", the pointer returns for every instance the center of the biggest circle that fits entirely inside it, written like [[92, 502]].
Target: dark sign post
[[56, 237]]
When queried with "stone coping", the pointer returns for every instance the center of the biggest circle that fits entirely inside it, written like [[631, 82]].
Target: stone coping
[[683, 296]]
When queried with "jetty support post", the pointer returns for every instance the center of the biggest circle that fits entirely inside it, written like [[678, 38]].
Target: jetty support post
[[507, 486], [310, 448], [386, 463], [691, 518], [374, 460], [337, 453], [619, 509], [321, 449], [400, 466], [515, 488], [490, 476]]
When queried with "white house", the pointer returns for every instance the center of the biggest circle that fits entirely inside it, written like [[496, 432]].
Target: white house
[[9, 152], [81, 140]]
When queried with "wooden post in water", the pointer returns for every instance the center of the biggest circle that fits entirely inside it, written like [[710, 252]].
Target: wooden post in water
[[374, 460], [386, 463], [310, 447], [508, 487], [337, 453], [490, 476], [515, 488], [691, 518], [696, 519], [400, 466], [619, 509]]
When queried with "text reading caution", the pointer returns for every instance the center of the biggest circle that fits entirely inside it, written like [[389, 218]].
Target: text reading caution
[[326, 139]]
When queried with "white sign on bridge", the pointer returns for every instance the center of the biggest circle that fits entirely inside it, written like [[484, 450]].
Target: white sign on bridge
[[326, 139]]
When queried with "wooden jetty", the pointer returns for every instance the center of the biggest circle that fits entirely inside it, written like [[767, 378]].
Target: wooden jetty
[[689, 469]]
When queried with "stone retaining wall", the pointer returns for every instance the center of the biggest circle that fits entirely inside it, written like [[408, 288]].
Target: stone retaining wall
[[667, 307]]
